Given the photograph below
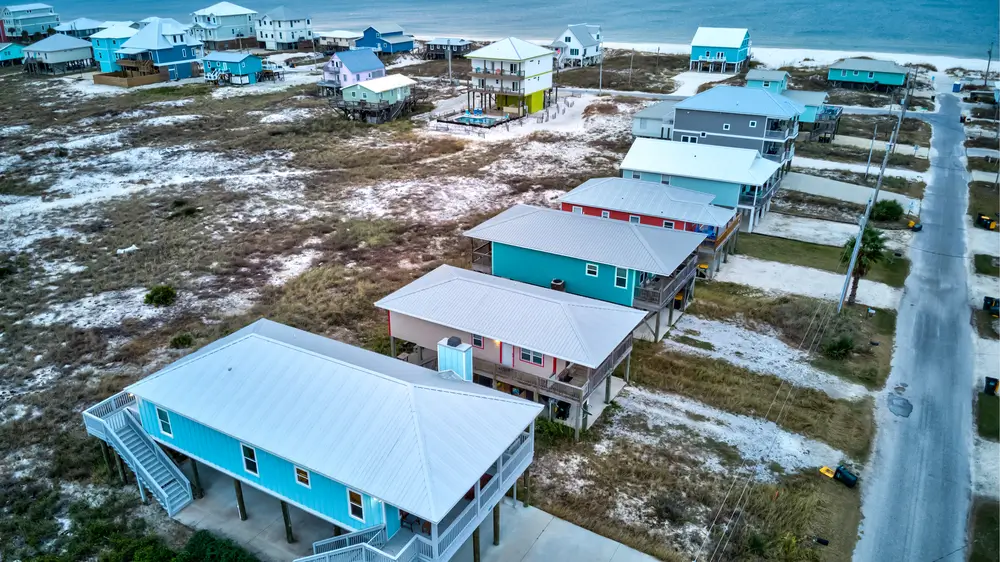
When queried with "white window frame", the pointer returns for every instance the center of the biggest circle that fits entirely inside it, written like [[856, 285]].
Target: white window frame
[[725, 126], [592, 267], [482, 341], [169, 432], [621, 273], [843, 72], [719, 54], [360, 505], [243, 452], [766, 84], [871, 75], [753, 124], [308, 475], [605, 214], [636, 175], [704, 134], [578, 209], [634, 219], [532, 354], [668, 224]]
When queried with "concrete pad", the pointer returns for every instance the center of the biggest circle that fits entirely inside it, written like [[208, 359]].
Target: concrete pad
[[597, 404], [690, 81], [645, 330], [858, 142], [826, 233], [562, 540], [825, 187]]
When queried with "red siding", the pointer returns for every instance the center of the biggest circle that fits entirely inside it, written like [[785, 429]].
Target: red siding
[[643, 219]]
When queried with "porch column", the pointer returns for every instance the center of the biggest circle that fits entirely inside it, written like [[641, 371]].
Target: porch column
[[607, 390], [288, 523], [106, 453], [475, 546], [392, 346], [579, 421], [122, 471], [628, 366], [496, 524], [142, 492], [198, 492], [434, 539], [240, 506], [656, 327], [527, 486], [670, 314]]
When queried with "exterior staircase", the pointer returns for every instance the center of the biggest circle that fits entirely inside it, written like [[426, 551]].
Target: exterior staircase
[[114, 421]]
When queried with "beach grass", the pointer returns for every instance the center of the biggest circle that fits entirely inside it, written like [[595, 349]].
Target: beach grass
[[986, 265], [984, 197], [985, 527], [982, 142], [851, 154], [984, 164], [627, 70], [988, 416], [903, 186], [911, 131]]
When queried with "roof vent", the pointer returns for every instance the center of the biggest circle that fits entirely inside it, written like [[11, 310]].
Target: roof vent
[[454, 341]]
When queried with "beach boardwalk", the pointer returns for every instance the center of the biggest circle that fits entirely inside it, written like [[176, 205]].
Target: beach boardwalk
[[720, 49]]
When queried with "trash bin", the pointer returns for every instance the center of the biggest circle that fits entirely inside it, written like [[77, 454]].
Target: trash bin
[[845, 477], [989, 303], [991, 386]]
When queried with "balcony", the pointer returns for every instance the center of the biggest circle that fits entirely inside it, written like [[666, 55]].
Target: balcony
[[762, 195], [829, 113], [654, 293], [480, 72], [712, 243], [482, 257], [710, 58], [477, 87]]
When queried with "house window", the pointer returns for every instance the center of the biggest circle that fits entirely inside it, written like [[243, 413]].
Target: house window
[[668, 224], [574, 52], [357, 77], [249, 459], [855, 72], [357, 507], [642, 123], [636, 175], [634, 219], [665, 180], [708, 54], [753, 124], [164, 418], [477, 341], [689, 138], [871, 75], [725, 126], [578, 209], [704, 134], [605, 214], [533, 357], [567, 39], [766, 84], [621, 277], [302, 476], [592, 270]]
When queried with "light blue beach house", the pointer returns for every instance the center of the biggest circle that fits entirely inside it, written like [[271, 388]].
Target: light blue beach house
[[867, 74], [81, 28], [405, 460], [542, 345], [385, 38], [646, 267], [738, 177], [346, 68], [225, 26], [26, 20], [818, 118], [106, 43], [10, 54], [231, 68], [720, 49]]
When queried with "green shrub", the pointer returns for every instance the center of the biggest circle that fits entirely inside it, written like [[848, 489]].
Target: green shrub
[[161, 295], [552, 433], [181, 341], [206, 547], [839, 348], [887, 210]]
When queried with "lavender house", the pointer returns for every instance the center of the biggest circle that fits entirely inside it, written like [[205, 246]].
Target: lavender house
[[347, 68]]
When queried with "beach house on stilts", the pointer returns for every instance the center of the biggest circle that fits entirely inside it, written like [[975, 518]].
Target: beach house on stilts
[[512, 77], [720, 49], [388, 460]]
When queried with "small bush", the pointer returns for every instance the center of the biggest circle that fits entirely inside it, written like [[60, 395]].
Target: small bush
[[887, 210], [667, 507], [839, 348], [181, 341], [204, 546], [552, 433], [161, 295]]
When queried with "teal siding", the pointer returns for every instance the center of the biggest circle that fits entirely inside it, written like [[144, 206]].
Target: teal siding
[[12, 52], [773, 86], [248, 67], [731, 54], [391, 520], [726, 194], [864, 77], [809, 116], [275, 474], [539, 268], [104, 53], [358, 92]]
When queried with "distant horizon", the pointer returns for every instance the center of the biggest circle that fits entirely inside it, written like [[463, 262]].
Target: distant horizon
[[926, 27]]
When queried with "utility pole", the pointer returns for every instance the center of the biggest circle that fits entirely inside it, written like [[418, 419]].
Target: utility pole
[[657, 59], [989, 59], [871, 203], [600, 74], [870, 150], [448, 54], [630, 68]]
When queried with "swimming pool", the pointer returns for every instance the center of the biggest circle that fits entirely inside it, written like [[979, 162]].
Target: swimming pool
[[483, 121]]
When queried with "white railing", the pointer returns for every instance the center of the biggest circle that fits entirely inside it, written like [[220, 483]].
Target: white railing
[[467, 517], [418, 548], [94, 417], [350, 539], [488, 491]]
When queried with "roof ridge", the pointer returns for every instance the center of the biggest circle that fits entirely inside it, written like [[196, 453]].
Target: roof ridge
[[646, 245], [423, 453], [576, 331], [533, 208]]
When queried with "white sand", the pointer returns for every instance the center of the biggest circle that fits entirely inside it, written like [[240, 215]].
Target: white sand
[[986, 468], [982, 241], [689, 82], [798, 280], [982, 286], [759, 352], [827, 233], [802, 162]]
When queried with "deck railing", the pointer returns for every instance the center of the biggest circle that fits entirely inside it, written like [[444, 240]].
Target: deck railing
[[498, 72], [761, 198], [94, 417], [656, 292], [710, 58], [368, 536], [538, 383]]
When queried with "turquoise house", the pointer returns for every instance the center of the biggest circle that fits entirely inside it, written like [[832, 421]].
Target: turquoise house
[[232, 68], [390, 89], [623, 262], [869, 74], [720, 49], [818, 117], [380, 451], [106, 41], [10, 54], [774, 81]]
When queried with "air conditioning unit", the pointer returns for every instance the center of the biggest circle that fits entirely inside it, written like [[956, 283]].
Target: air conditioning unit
[[558, 285]]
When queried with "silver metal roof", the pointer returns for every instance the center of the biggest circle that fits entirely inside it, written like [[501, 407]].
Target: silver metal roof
[[767, 75], [395, 431], [806, 98], [658, 110], [570, 327], [743, 101], [650, 198], [622, 244], [703, 161], [585, 34], [869, 65], [57, 42]]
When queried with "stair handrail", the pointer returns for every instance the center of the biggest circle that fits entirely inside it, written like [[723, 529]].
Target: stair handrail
[[140, 470], [347, 540], [174, 470]]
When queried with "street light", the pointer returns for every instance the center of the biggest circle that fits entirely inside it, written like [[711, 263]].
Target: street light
[[870, 150]]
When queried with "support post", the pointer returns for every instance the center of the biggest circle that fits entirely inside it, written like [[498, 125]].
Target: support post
[[656, 327], [392, 346], [496, 524], [288, 523], [607, 390], [628, 367], [106, 453], [198, 491], [475, 546], [579, 422], [527, 486], [240, 506], [122, 471], [142, 492]]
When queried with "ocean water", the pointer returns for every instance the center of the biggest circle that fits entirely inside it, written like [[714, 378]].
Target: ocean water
[[962, 28]]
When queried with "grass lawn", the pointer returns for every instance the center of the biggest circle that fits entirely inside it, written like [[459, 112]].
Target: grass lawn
[[891, 271], [983, 321], [984, 197], [982, 142], [841, 153], [987, 265], [912, 131], [895, 184], [980, 163], [985, 535], [649, 72], [984, 112], [988, 416]]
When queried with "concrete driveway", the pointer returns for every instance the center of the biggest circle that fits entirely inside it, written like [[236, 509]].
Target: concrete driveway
[[824, 187], [528, 534]]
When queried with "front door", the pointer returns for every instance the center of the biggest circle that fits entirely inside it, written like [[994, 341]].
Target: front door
[[506, 354]]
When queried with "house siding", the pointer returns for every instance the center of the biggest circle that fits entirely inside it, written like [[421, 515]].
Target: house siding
[[276, 475], [104, 53], [732, 54], [248, 67], [773, 86], [358, 92], [809, 115], [372, 39], [540, 268], [336, 68], [12, 52], [651, 128], [643, 219], [726, 194], [712, 123], [884, 78], [56, 57]]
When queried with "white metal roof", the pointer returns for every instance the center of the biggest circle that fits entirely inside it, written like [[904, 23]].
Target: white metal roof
[[870, 65], [511, 48], [340, 34], [731, 37], [584, 33], [658, 110], [224, 9], [743, 101], [649, 198], [57, 42], [767, 75], [115, 32], [154, 36], [227, 56], [558, 324], [387, 28], [113, 23], [406, 435], [804, 97], [386, 83], [22, 7], [79, 24], [643, 248], [702, 161]]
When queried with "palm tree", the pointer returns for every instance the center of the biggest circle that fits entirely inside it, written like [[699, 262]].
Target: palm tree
[[872, 251]]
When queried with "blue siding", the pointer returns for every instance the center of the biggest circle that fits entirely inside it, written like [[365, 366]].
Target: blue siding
[[726, 194], [373, 40], [864, 77], [276, 475], [539, 268], [773, 86], [457, 360], [12, 52], [809, 116], [248, 67], [732, 54]]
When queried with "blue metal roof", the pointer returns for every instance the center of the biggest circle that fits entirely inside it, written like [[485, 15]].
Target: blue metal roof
[[360, 60], [223, 56], [746, 101]]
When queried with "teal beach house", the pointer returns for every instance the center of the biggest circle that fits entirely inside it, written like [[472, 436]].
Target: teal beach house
[[105, 44], [379, 454], [868, 74], [720, 49], [646, 267], [818, 118]]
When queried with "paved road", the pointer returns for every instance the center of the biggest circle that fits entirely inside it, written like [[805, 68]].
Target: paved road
[[917, 494]]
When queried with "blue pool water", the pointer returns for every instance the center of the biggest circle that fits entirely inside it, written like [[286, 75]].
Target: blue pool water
[[470, 120]]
